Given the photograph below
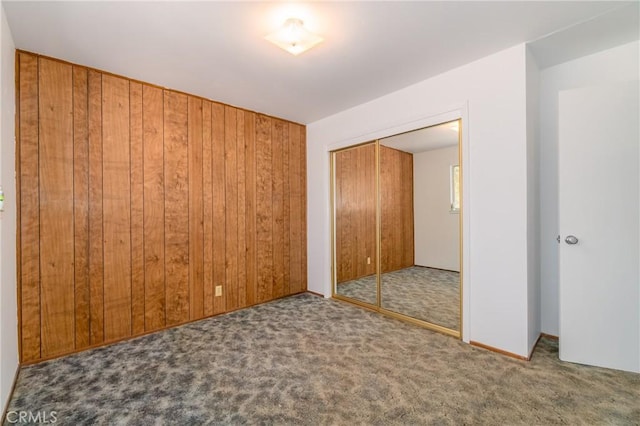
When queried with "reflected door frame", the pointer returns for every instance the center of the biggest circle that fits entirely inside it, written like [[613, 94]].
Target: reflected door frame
[[461, 114]]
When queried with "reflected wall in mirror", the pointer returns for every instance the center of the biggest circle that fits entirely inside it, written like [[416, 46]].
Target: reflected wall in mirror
[[420, 225], [396, 209], [355, 237]]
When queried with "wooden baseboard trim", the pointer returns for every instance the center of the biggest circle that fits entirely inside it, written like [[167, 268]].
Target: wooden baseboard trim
[[499, 351], [437, 269], [315, 294], [13, 388], [535, 345], [549, 336], [542, 335]]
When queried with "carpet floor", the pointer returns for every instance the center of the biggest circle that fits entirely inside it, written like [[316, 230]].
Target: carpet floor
[[429, 294], [305, 360]]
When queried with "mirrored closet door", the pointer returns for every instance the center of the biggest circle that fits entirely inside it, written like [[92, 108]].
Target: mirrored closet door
[[354, 220], [411, 225]]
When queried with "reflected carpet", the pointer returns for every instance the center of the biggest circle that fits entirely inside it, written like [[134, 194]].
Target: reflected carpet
[[429, 294]]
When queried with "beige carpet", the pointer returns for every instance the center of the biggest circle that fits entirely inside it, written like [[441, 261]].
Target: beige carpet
[[310, 361]]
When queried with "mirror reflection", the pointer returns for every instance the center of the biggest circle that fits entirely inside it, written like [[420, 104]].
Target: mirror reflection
[[420, 224], [396, 213], [355, 223]]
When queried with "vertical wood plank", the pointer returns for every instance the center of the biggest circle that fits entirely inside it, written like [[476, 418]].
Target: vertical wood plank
[[295, 205], [29, 209], [385, 203], [362, 218], [137, 210], [207, 199], [219, 214], [278, 208], [371, 244], [359, 237], [286, 207], [264, 209], [362, 180], [396, 209], [387, 200], [176, 207], [231, 202], [250, 206], [96, 255], [352, 200], [242, 243], [338, 218], [397, 212], [196, 241], [407, 210], [56, 207], [396, 232], [154, 252], [117, 207], [303, 202], [81, 204]]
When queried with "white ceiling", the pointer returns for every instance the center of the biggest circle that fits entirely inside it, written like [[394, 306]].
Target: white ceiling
[[217, 50], [426, 139]]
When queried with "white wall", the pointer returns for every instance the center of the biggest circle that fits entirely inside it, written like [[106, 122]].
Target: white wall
[[617, 64], [8, 301], [533, 198], [436, 229], [494, 149]]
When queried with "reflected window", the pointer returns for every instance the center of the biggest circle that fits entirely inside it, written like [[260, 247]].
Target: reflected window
[[454, 188]]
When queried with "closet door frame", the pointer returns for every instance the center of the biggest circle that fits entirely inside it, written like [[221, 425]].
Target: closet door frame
[[377, 307]]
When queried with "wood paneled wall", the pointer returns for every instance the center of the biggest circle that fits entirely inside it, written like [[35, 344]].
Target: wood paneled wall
[[396, 209], [137, 201], [355, 211]]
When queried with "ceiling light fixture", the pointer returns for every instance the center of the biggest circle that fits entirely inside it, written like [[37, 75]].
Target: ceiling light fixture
[[293, 37]]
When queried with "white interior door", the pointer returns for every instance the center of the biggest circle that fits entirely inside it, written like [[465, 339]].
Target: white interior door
[[599, 204]]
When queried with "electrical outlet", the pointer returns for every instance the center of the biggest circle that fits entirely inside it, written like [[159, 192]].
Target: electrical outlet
[[218, 290], [368, 260]]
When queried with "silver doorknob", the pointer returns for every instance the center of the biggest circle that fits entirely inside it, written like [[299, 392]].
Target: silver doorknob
[[571, 240]]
